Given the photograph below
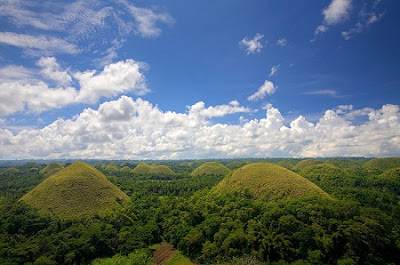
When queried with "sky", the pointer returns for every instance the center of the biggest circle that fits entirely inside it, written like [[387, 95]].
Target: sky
[[188, 79]]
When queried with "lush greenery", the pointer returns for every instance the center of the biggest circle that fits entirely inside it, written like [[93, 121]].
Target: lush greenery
[[358, 223]]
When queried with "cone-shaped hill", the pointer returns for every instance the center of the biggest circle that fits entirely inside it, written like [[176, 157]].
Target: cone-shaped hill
[[266, 181], [78, 190], [211, 168], [161, 170], [142, 168], [51, 168]]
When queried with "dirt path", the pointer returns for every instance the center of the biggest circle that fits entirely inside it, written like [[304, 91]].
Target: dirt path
[[163, 253]]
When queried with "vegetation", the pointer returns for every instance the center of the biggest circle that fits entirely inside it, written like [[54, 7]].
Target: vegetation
[[51, 168], [125, 169], [267, 181], [305, 163], [211, 168], [79, 190], [357, 223], [382, 164]]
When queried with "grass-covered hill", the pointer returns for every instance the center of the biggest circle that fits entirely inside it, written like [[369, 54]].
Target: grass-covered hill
[[161, 170], [266, 180], [142, 168], [51, 168], [382, 164], [305, 163], [10, 171], [211, 168], [78, 190], [125, 169]]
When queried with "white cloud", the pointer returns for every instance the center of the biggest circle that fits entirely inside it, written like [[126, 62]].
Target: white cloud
[[21, 90], [115, 79], [336, 12], [147, 21], [254, 45], [135, 129], [324, 92], [281, 42], [40, 44], [267, 88], [366, 17], [52, 70], [274, 70]]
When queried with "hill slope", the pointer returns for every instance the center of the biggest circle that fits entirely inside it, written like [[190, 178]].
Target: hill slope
[[211, 168], [383, 163], [305, 163], [51, 168], [266, 180], [78, 190]]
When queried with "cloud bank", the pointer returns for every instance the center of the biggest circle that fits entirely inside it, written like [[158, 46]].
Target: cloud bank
[[135, 129]]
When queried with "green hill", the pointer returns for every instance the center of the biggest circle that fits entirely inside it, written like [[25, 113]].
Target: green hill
[[383, 164], [51, 168], [78, 190], [125, 169], [211, 168], [266, 181], [285, 164], [142, 168], [110, 168], [10, 171], [161, 170], [305, 163], [322, 172], [236, 164]]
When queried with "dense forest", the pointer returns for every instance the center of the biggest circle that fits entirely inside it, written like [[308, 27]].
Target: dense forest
[[358, 223]]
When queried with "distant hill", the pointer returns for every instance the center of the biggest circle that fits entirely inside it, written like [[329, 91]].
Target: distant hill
[[51, 168], [10, 171], [267, 181], [142, 168], [382, 164], [161, 170], [211, 168], [305, 163], [125, 169], [78, 190]]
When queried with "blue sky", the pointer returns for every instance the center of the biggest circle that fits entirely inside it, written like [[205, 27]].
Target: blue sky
[[199, 79]]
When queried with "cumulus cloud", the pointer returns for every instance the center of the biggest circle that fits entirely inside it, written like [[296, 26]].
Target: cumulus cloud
[[28, 92], [335, 13], [254, 45], [52, 70], [267, 88], [115, 79], [135, 129], [274, 70], [40, 44]]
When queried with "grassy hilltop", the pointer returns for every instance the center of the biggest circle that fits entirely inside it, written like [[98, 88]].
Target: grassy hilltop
[[211, 168], [78, 190], [266, 179]]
